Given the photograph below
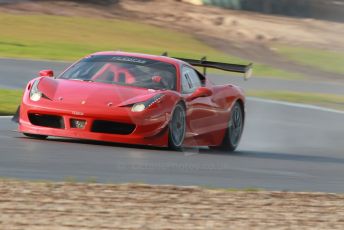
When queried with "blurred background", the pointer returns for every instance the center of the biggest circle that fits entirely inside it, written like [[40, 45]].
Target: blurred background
[[321, 9], [293, 136], [297, 46]]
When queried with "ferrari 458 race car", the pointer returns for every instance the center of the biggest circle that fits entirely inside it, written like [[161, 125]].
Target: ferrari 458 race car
[[136, 99]]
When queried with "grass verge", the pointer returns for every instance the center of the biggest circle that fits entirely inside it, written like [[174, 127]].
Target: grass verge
[[325, 100], [69, 38], [316, 58], [9, 101]]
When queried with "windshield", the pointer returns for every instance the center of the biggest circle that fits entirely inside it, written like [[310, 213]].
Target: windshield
[[123, 70]]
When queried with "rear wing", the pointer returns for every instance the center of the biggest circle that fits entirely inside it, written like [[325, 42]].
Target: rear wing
[[245, 69]]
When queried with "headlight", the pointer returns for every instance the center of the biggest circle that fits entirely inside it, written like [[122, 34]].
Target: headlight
[[35, 94], [139, 107]]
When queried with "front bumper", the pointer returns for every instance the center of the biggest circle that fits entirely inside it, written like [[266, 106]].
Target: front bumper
[[150, 127]]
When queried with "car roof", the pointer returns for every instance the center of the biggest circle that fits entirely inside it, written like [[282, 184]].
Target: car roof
[[141, 55]]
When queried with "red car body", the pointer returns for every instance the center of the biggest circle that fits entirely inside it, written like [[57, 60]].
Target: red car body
[[104, 112]]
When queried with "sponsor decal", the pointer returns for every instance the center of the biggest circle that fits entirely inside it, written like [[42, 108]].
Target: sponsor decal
[[129, 59]]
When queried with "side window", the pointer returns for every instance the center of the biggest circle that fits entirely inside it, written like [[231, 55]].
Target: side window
[[190, 80], [196, 82], [186, 83]]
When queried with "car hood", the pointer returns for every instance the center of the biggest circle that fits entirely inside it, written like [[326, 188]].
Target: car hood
[[93, 93]]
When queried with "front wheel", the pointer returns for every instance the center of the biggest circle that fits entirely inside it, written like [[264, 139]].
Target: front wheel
[[35, 136], [177, 126], [234, 129]]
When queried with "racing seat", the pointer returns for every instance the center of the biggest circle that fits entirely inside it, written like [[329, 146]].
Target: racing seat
[[110, 77], [169, 82], [121, 77]]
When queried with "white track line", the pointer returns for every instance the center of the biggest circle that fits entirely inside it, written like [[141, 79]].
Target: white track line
[[298, 105], [6, 116]]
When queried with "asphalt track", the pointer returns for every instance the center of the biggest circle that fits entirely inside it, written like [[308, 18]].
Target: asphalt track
[[284, 147]]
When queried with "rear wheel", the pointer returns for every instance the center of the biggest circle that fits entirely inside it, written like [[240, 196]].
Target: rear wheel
[[35, 136], [234, 129], [177, 126]]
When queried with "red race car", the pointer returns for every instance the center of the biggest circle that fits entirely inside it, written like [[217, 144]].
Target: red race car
[[136, 99]]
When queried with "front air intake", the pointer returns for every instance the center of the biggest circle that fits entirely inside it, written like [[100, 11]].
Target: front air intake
[[111, 127], [45, 120]]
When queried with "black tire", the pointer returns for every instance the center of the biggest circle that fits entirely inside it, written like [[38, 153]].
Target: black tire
[[177, 127], [36, 136], [234, 130]]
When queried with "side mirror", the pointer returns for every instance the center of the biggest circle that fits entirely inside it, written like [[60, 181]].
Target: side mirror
[[200, 92], [46, 73]]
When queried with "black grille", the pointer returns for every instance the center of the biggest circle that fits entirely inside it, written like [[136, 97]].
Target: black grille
[[112, 127], [46, 120]]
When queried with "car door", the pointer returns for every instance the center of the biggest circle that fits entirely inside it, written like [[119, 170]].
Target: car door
[[200, 111]]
